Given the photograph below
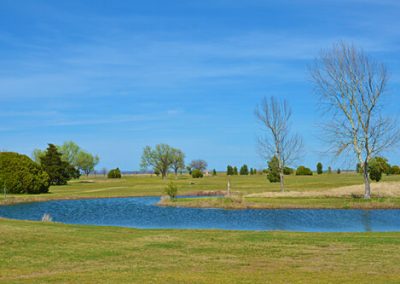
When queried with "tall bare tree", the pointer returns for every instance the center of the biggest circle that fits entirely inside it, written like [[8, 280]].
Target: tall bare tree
[[350, 86], [277, 140]]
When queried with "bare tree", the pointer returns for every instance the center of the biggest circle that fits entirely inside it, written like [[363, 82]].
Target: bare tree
[[178, 160], [350, 86], [277, 141]]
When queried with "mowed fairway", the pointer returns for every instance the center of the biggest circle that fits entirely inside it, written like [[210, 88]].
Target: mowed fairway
[[45, 252]]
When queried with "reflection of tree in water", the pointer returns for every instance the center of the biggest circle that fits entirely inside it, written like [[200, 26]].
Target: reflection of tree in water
[[366, 220]]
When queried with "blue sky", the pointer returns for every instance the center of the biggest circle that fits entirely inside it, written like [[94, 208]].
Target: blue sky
[[115, 76]]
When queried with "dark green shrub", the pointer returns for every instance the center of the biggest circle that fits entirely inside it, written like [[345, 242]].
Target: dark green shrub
[[303, 171], [19, 174], [197, 173], [114, 173], [214, 172], [338, 171], [273, 170]]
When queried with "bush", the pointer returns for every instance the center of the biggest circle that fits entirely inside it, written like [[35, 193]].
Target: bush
[[197, 173], [171, 190], [214, 172], [303, 171], [273, 170], [19, 174], [114, 173]]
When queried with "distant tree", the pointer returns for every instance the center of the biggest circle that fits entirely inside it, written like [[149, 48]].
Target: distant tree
[[70, 152], [351, 85], [200, 165], [189, 169], [104, 171], [160, 158], [86, 162], [235, 171], [59, 171], [359, 168], [229, 170], [37, 154], [255, 171], [178, 160], [214, 172], [244, 170], [288, 171], [338, 171], [251, 171], [275, 117], [273, 170], [395, 170], [196, 173], [329, 170], [303, 171], [114, 173], [319, 168], [377, 166]]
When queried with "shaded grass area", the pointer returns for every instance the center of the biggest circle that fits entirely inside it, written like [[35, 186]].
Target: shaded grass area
[[47, 252]]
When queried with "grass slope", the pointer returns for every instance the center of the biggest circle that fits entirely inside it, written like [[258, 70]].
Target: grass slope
[[33, 252]]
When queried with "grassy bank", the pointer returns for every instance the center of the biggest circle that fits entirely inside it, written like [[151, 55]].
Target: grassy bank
[[327, 190], [46, 252], [237, 202]]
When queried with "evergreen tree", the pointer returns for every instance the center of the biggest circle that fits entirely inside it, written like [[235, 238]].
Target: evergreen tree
[[244, 170], [229, 170], [329, 170], [273, 170], [319, 168], [235, 171], [58, 170], [338, 171], [214, 172]]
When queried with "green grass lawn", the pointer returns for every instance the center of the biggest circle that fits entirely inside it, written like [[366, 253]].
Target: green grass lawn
[[35, 252]]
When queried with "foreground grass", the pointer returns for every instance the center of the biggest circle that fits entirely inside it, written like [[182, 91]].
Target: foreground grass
[[47, 252]]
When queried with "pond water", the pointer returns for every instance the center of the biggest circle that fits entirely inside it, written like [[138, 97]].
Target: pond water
[[141, 212]]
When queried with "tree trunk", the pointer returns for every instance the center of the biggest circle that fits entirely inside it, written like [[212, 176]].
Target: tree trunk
[[367, 194], [282, 184]]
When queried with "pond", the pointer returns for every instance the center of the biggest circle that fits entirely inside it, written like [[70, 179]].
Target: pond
[[142, 212]]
